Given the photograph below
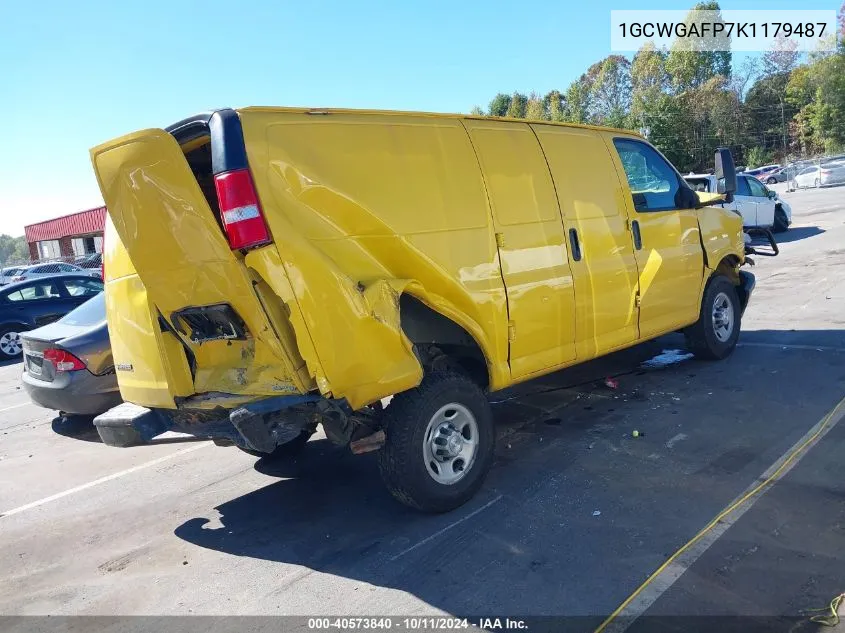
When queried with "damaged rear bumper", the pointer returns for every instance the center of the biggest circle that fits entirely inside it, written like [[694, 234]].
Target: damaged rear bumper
[[246, 426]]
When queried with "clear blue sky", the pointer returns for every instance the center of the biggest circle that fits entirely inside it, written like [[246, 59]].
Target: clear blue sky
[[78, 72]]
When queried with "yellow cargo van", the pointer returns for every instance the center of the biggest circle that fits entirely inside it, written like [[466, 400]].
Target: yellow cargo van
[[269, 270]]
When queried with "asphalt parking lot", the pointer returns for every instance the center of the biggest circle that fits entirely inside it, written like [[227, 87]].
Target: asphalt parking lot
[[575, 515]]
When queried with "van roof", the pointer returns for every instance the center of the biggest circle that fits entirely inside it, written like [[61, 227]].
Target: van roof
[[437, 115]]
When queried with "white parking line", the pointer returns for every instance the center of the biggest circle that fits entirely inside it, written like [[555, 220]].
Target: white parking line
[[101, 480], [15, 406], [446, 529]]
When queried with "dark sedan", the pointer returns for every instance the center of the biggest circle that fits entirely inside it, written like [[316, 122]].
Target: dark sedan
[[27, 305], [68, 364]]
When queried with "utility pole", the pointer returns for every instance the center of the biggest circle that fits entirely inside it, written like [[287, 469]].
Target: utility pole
[[783, 126]]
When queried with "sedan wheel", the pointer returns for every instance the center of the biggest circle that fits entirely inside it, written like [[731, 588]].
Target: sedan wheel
[[10, 344]]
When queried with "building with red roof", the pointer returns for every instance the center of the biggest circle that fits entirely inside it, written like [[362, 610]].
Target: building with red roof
[[67, 237]]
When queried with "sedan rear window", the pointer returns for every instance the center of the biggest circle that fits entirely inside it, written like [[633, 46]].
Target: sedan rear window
[[46, 290], [89, 313], [83, 287]]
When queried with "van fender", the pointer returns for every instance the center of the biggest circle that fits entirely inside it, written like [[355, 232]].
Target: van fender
[[720, 231]]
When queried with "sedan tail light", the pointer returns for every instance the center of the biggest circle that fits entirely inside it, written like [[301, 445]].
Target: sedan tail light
[[17, 278], [63, 360]]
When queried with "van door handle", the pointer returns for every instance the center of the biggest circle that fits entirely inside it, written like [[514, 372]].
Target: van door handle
[[638, 239], [576, 247]]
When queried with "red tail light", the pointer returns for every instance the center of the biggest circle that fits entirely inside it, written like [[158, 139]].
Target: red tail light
[[63, 360], [18, 278], [240, 210]]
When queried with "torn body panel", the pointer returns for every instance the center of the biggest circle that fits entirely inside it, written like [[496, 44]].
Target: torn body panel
[[721, 239], [163, 225]]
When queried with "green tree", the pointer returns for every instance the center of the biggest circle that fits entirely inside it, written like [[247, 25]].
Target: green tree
[[476, 111], [649, 81], [669, 125], [499, 105], [828, 117], [610, 91], [13, 249], [782, 58], [576, 107], [758, 156], [692, 61], [517, 106], [535, 110], [554, 105]]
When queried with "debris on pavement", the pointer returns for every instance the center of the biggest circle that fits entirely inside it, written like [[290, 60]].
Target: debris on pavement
[[596, 513], [611, 383], [666, 358]]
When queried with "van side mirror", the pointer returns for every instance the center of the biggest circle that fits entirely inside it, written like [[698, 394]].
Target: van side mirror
[[725, 172]]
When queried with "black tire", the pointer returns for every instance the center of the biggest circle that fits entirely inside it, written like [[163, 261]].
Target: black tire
[[284, 451], [402, 460], [702, 338], [781, 223], [10, 331], [771, 181]]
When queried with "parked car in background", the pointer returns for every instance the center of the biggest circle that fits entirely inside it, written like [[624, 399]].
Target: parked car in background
[[759, 206], [779, 175], [830, 173], [95, 260], [68, 364], [7, 274], [765, 169], [52, 269], [28, 305]]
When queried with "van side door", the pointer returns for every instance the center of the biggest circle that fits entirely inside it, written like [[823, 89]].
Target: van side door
[[531, 245], [601, 253], [666, 238]]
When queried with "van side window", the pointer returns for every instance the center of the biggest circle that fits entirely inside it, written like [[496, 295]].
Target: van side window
[[654, 183]]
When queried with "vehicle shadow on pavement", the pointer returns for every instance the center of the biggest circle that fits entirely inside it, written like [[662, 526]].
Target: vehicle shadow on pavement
[[76, 427], [798, 233], [576, 511]]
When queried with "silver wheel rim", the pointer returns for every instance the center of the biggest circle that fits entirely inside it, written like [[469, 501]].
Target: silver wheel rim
[[450, 444], [10, 343], [723, 317]]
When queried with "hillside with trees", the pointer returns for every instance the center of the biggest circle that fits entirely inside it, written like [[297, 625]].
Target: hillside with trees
[[774, 107]]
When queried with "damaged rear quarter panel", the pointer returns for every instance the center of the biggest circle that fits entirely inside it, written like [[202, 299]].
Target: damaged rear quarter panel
[[363, 208]]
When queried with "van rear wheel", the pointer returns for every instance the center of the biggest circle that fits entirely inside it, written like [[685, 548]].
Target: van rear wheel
[[715, 334], [440, 441]]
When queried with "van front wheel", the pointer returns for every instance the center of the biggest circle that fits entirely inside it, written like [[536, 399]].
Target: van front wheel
[[440, 441], [715, 334]]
